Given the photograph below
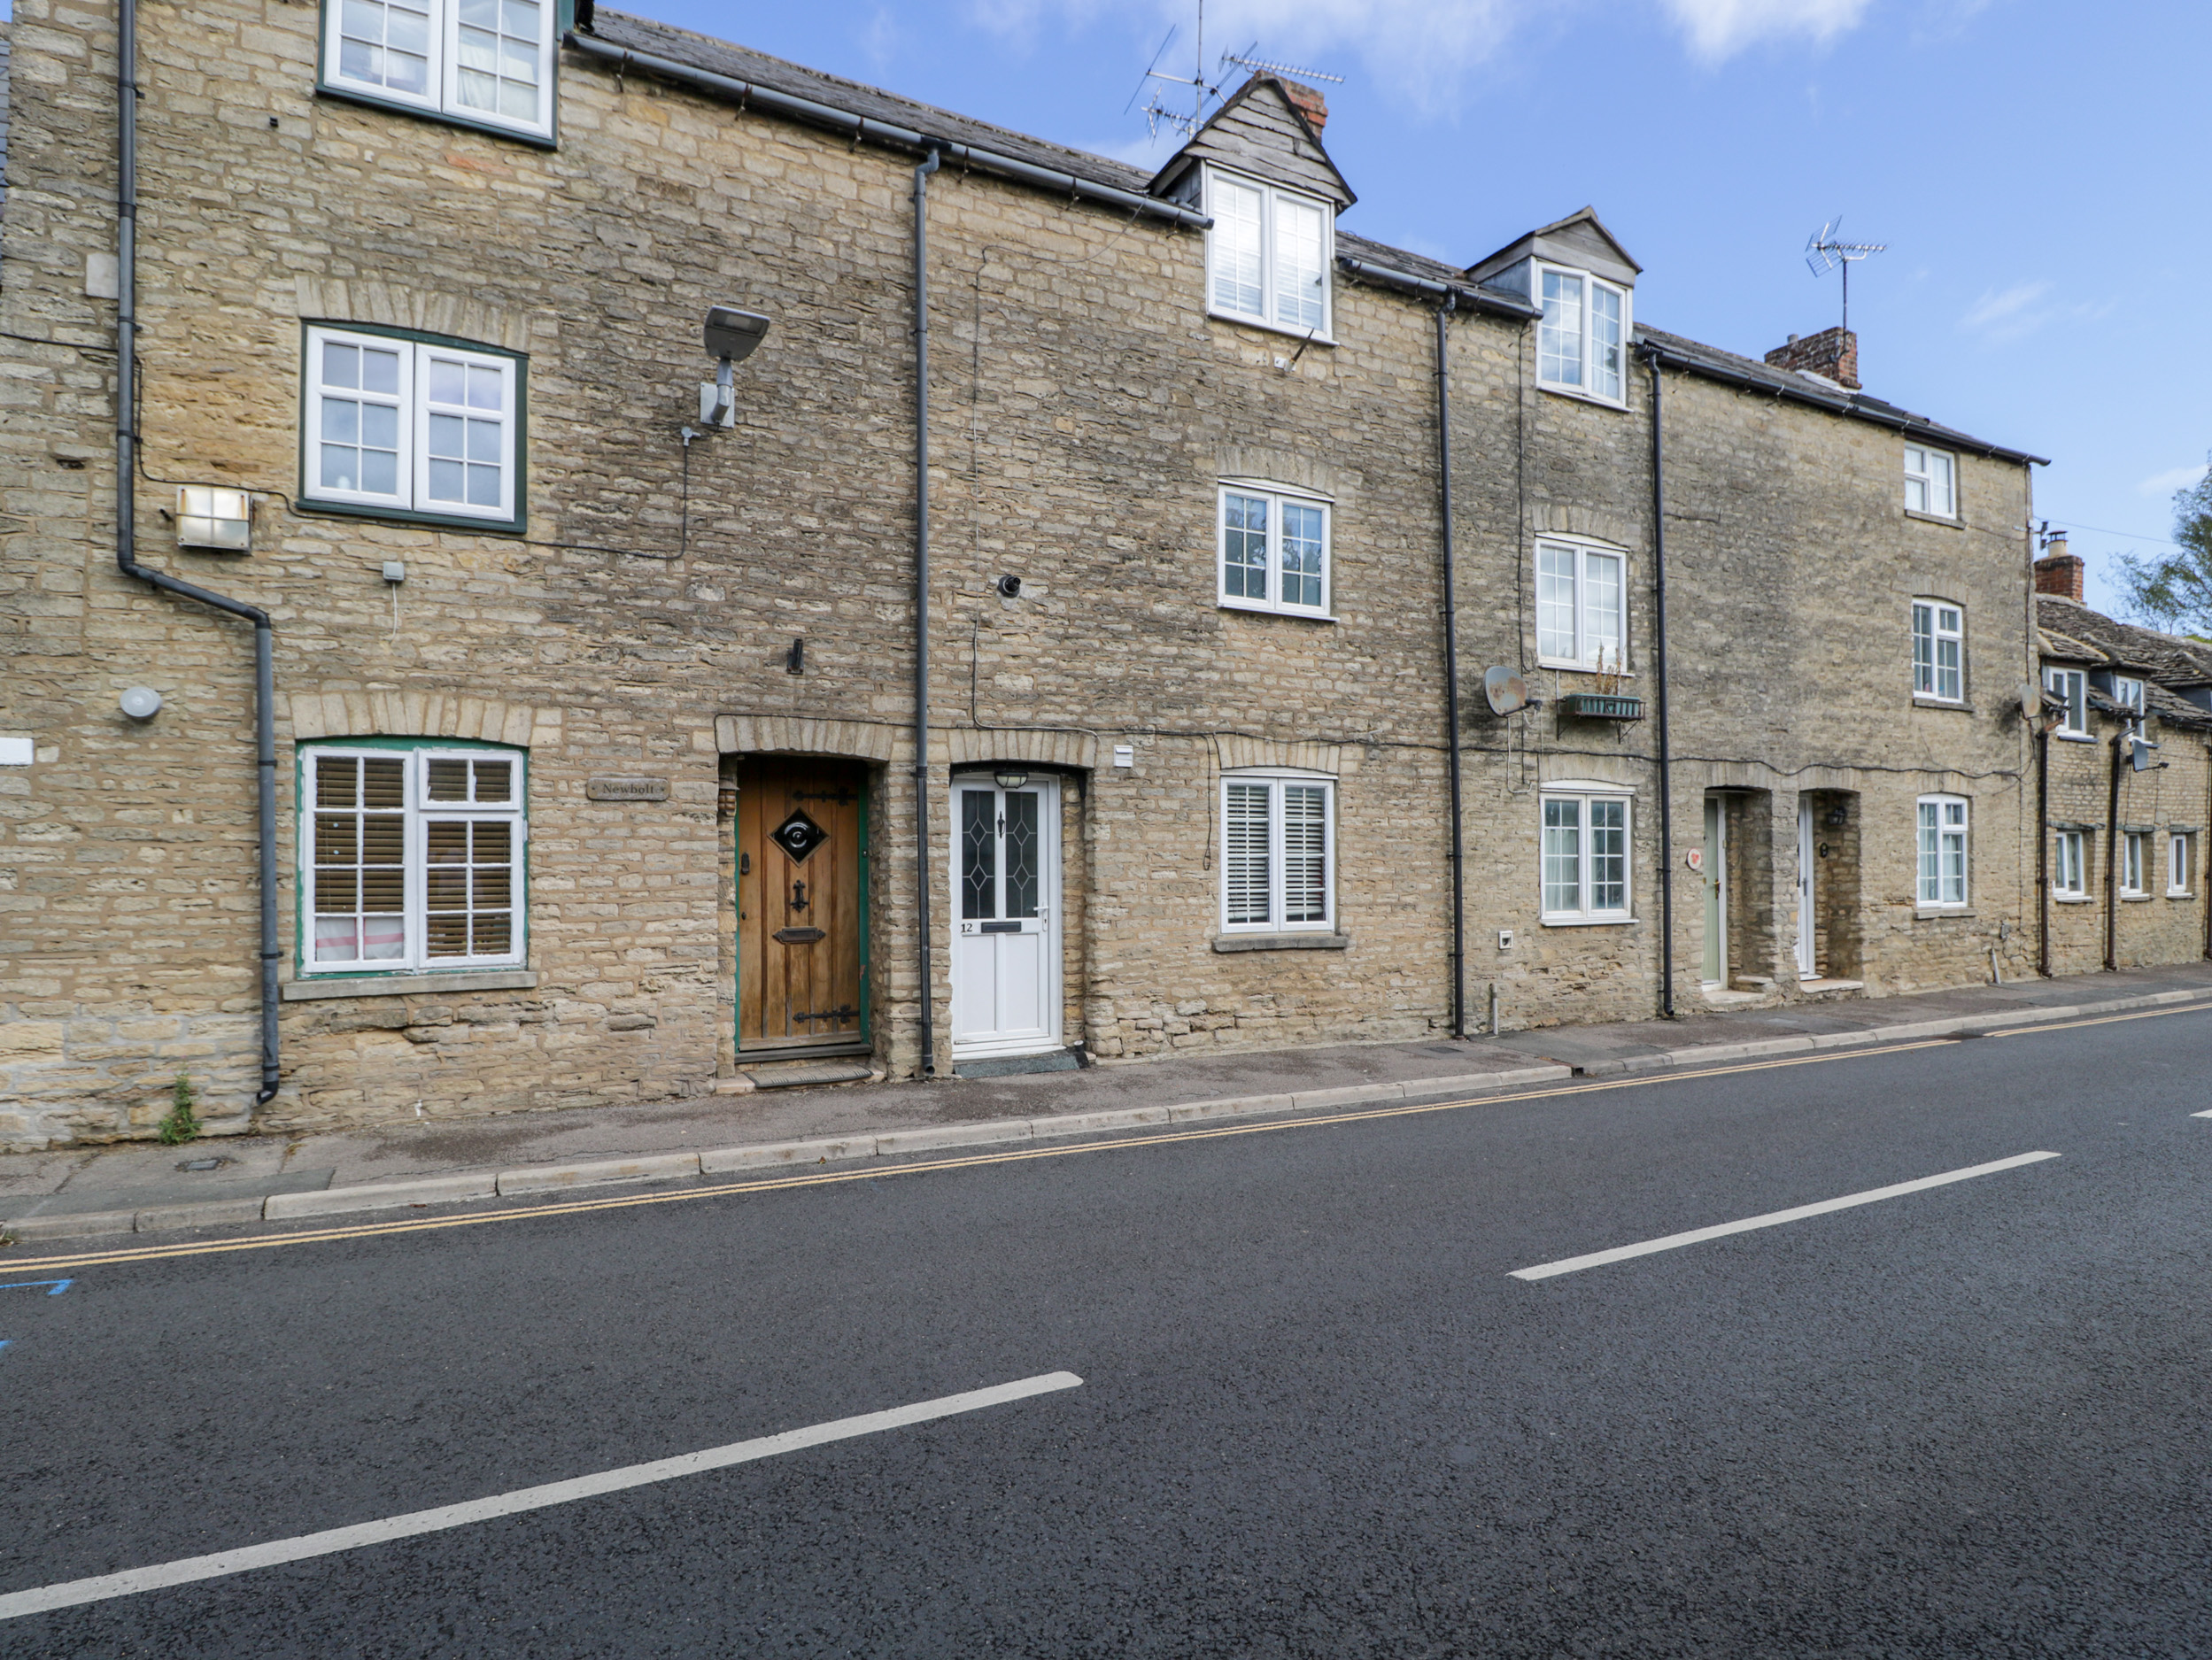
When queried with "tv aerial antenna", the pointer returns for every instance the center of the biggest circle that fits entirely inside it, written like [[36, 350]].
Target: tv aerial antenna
[[1158, 112], [1825, 251]]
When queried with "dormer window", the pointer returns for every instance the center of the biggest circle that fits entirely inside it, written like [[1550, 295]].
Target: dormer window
[[1580, 344], [1267, 256]]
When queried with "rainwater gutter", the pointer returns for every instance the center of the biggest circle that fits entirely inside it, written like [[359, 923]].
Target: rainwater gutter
[[126, 515], [967, 157]]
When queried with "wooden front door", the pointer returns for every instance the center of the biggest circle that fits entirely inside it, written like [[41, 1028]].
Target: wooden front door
[[803, 872]]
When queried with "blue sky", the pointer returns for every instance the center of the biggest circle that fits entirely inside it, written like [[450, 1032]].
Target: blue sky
[[2036, 167]]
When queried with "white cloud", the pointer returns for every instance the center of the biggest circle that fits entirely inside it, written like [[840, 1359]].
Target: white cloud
[[1719, 29], [2172, 479], [2008, 314]]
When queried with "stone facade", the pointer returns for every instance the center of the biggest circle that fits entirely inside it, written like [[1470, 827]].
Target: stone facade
[[2097, 795], [641, 626]]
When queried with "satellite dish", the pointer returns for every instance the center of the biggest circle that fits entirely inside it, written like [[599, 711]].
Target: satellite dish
[[2030, 698], [1506, 690]]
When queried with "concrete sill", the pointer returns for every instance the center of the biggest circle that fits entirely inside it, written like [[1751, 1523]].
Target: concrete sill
[[1586, 922], [1945, 913], [1952, 520], [1281, 942], [1920, 702], [2135, 899], [2073, 899], [408, 985]]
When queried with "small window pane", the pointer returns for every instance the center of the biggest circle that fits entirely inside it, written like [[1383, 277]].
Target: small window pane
[[495, 780], [1301, 555], [1604, 340], [1555, 604], [1246, 865], [979, 855], [1601, 610], [1301, 267], [449, 780], [338, 781], [1024, 867], [1563, 855], [1305, 854], [1609, 855], [1244, 546], [1559, 336], [1236, 248]]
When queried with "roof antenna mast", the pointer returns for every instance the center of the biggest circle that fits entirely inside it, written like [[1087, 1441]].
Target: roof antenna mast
[[1156, 112], [1824, 252]]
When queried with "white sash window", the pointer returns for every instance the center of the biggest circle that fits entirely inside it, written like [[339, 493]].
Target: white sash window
[[411, 426], [1268, 255], [1278, 853], [476, 60], [1942, 852], [411, 859]]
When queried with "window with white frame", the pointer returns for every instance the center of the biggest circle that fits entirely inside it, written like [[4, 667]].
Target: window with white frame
[[1278, 853], [1930, 486], [488, 61], [2070, 877], [1581, 338], [1274, 550], [411, 858], [2072, 686], [1581, 606], [2135, 854], [2181, 864], [1268, 255], [2127, 691], [1938, 650], [400, 424], [1942, 827], [1585, 856]]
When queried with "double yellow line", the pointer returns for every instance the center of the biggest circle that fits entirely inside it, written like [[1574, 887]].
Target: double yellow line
[[879, 1171]]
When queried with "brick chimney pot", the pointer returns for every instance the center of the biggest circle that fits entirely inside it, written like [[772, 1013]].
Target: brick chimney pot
[[2059, 572], [1833, 353], [1311, 104]]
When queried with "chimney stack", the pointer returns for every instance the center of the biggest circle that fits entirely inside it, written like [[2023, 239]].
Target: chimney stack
[[1833, 353], [2059, 572], [1311, 104]]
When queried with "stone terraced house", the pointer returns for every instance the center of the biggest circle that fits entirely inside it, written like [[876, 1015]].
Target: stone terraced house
[[501, 613], [2123, 849]]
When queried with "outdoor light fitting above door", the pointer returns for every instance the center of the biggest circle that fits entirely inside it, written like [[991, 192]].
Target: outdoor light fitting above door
[[732, 335], [1010, 777]]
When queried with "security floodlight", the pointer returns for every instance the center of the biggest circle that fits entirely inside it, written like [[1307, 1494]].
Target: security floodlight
[[730, 335]]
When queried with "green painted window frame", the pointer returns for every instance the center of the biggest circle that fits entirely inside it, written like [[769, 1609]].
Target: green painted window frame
[[303, 854], [307, 502], [564, 20]]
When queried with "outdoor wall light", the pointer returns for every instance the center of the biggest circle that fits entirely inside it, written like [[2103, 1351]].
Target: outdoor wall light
[[221, 520], [730, 335], [142, 703], [1010, 777]]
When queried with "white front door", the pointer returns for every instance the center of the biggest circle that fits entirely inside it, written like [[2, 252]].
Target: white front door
[[1006, 910], [1808, 967]]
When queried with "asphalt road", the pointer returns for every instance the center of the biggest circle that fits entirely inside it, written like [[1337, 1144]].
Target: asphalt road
[[1319, 1414]]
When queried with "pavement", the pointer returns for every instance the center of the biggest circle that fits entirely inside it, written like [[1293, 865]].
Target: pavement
[[142, 1188], [1278, 1390]]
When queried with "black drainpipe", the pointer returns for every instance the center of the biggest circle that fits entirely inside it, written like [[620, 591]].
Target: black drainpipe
[[1451, 674], [922, 172], [2043, 842], [1659, 668], [2112, 855], [127, 514]]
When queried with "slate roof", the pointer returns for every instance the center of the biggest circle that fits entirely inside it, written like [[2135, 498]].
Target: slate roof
[[2071, 632], [742, 63]]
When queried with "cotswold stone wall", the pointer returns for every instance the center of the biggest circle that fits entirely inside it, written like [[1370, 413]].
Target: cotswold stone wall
[[1084, 407], [2154, 926]]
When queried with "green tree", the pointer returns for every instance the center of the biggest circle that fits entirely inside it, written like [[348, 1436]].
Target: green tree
[[2174, 589]]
